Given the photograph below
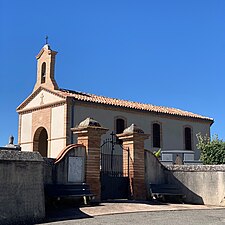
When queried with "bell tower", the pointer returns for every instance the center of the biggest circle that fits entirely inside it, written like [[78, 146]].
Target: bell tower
[[46, 68]]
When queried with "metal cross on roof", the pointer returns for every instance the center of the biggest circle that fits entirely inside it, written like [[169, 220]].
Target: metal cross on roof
[[46, 40]]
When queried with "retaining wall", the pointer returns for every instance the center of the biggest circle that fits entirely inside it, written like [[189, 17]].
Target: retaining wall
[[49, 171], [201, 184], [155, 172], [21, 187]]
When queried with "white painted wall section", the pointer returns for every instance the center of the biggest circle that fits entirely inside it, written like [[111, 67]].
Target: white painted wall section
[[56, 147], [26, 147], [57, 124], [43, 98], [26, 128], [172, 137]]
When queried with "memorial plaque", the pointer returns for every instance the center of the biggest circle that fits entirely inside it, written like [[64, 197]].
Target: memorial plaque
[[76, 169]]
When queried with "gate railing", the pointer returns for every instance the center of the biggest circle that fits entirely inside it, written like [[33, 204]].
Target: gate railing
[[114, 158]]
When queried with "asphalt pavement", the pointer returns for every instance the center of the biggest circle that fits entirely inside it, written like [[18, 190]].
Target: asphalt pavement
[[140, 213], [184, 217]]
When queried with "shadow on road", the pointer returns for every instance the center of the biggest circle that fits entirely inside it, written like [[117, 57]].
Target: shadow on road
[[60, 211], [70, 210]]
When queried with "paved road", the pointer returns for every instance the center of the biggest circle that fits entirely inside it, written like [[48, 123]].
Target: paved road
[[186, 217]]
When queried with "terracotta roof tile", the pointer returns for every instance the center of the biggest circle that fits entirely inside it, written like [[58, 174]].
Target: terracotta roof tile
[[129, 104]]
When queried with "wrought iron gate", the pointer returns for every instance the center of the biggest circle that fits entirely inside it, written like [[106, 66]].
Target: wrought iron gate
[[115, 162]]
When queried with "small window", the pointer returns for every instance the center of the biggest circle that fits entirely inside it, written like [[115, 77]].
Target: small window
[[43, 72], [156, 135], [188, 138], [120, 126]]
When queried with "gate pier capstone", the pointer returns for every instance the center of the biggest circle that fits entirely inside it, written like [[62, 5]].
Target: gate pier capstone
[[89, 134], [133, 138]]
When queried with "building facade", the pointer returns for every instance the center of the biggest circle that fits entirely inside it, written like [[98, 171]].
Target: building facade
[[48, 114]]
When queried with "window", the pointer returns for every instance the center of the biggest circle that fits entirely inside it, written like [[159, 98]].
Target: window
[[43, 72], [120, 126], [156, 135], [187, 137]]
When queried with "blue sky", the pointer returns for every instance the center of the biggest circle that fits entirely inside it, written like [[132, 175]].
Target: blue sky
[[169, 53]]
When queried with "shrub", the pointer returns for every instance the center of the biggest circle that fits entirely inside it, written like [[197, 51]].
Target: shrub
[[158, 153], [212, 151]]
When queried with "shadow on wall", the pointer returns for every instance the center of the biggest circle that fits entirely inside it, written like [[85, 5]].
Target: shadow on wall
[[190, 196], [156, 173], [49, 171], [65, 209]]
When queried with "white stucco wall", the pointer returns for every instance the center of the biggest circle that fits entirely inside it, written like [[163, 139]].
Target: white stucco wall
[[57, 140], [57, 122], [56, 147], [26, 127], [42, 98], [27, 147], [172, 128]]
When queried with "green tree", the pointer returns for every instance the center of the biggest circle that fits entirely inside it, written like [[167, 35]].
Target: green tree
[[212, 151]]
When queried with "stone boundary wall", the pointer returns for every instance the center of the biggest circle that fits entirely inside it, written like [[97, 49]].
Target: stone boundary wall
[[196, 168], [21, 187], [201, 184], [155, 172], [49, 171]]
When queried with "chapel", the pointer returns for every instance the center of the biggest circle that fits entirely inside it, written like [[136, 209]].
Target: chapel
[[47, 115]]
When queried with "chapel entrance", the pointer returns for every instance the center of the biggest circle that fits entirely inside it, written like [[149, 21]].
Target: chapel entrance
[[114, 167], [41, 141]]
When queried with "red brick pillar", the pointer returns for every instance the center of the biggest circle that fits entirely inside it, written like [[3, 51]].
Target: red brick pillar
[[133, 138], [89, 134]]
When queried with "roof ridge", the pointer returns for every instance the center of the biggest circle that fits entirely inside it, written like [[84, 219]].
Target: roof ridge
[[85, 93], [73, 92], [133, 104]]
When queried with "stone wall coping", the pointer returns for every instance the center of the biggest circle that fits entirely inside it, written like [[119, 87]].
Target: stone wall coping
[[68, 148], [89, 122], [196, 168], [12, 155], [49, 161], [85, 129], [133, 128]]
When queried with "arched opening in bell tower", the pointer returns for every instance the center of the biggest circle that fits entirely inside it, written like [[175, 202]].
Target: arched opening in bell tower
[[41, 141], [43, 72]]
